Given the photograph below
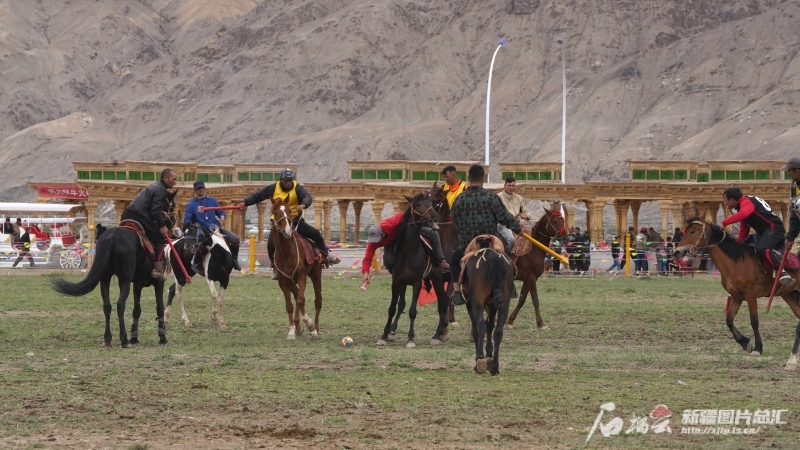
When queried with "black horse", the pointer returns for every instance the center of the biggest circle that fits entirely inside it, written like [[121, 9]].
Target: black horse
[[413, 265], [487, 286], [119, 252], [217, 264]]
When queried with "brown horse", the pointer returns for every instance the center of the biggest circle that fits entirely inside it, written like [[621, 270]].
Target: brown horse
[[487, 280], [293, 270], [742, 278], [531, 265], [447, 234]]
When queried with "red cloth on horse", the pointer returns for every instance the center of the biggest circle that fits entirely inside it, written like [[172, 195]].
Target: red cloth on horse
[[311, 251], [145, 243], [428, 295]]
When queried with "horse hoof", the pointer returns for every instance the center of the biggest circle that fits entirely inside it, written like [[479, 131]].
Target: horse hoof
[[390, 337], [480, 366], [489, 361], [300, 331], [162, 341], [222, 325], [381, 343], [544, 327], [126, 345], [314, 334], [134, 341], [455, 324], [750, 347], [791, 367], [187, 324], [435, 342], [291, 337], [411, 344], [445, 337], [106, 343], [497, 372], [509, 326]]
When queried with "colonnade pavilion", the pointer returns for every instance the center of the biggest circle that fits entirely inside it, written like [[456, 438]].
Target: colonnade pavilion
[[682, 188]]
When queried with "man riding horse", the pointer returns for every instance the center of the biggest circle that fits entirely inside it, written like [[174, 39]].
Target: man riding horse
[[299, 200], [475, 212], [148, 208], [755, 213], [452, 186], [210, 219]]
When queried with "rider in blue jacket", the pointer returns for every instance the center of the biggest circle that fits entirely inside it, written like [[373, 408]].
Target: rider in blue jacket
[[214, 218]]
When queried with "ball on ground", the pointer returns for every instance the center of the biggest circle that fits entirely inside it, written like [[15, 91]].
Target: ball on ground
[[347, 342]]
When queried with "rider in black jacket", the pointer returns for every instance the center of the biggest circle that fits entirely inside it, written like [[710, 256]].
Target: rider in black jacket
[[148, 209]]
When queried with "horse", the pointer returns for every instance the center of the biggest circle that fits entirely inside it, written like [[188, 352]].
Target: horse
[[741, 277], [486, 284], [531, 265], [119, 252], [293, 270], [413, 265], [447, 234], [217, 266]]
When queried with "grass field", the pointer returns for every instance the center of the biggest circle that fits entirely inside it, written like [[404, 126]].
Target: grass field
[[635, 342]]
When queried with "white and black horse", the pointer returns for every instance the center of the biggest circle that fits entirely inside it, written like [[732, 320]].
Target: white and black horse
[[217, 264]]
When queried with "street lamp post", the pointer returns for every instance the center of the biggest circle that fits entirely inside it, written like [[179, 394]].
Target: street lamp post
[[488, 98], [560, 41]]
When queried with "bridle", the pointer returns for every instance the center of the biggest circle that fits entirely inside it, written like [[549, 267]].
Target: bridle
[[294, 238], [550, 225], [438, 208], [424, 217], [694, 248]]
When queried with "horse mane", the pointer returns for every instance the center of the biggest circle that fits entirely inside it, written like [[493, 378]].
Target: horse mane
[[727, 243]]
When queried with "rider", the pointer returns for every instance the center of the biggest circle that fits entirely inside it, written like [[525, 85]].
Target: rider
[[453, 187], [755, 213], [214, 218], [515, 205], [299, 200], [476, 212], [385, 234], [149, 209]]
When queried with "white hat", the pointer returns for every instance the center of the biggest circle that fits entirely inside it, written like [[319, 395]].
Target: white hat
[[374, 234]]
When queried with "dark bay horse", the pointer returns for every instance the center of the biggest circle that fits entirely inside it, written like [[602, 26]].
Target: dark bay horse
[[217, 265], [448, 235], [293, 271], [531, 265], [487, 287], [413, 265], [120, 253], [742, 278]]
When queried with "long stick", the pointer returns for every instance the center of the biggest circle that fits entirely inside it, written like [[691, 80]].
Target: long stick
[[777, 279], [217, 208], [545, 248], [178, 257]]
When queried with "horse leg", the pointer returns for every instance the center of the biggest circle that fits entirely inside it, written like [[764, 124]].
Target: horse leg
[[212, 287], [316, 280], [476, 304], [401, 308], [741, 339], [490, 326], [793, 300], [137, 313], [535, 300], [397, 291], [223, 286], [523, 295], [442, 303], [412, 314], [300, 304], [287, 287], [184, 317], [310, 324], [158, 286], [124, 290], [752, 306], [105, 284]]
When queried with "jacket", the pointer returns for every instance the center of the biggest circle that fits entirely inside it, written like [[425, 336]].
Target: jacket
[[478, 211], [148, 206], [303, 196], [754, 213], [389, 226], [206, 218]]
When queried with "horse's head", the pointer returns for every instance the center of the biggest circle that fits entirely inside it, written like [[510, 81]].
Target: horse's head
[[437, 197], [696, 236], [551, 224], [422, 212], [281, 216], [169, 210], [195, 236]]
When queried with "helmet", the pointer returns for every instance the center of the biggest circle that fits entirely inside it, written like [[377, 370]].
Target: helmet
[[287, 174], [794, 206]]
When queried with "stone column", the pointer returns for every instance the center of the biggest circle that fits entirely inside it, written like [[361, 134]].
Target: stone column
[[327, 207], [635, 205], [665, 206], [357, 205], [343, 205], [235, 220], [262, 211], [595, 219], [569, 214], [119, 208], [783, 207], [377, 210], [317, 205], [621, 210], [678, 219], [91, 209]]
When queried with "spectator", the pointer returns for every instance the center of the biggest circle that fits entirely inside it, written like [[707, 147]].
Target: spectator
[[615, 257], [671, 267], [99, 229], [8, 228], [641, 252], [677, 236]]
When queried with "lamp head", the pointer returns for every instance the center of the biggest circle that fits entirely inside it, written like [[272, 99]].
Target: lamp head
[[560, 40]]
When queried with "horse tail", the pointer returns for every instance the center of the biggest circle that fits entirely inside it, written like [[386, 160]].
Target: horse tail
[[83, 287], [496, 271]]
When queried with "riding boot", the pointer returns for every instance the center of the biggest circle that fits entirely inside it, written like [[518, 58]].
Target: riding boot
[[458, 298], [158, 270], [514, 293], [331, 259], [235, 257], [786, 279]]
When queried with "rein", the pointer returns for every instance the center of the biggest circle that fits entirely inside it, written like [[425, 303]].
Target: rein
[[422, 218], [296, 243], [694, 248]]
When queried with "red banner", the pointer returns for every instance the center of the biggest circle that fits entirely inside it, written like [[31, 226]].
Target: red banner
[[69, 192]]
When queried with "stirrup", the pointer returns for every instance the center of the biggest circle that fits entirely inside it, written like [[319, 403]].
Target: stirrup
[[332, 260], [458, 299], [786, 279]]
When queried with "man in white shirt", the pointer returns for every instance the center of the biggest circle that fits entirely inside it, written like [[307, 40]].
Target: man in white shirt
[[515, 205]]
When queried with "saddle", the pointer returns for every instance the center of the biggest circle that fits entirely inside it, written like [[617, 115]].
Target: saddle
[[478, 248], [522, 246], [143, 241], [313, 254], [771, 260]]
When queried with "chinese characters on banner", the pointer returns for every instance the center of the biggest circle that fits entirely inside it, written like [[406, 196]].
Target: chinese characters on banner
[[68, 192]]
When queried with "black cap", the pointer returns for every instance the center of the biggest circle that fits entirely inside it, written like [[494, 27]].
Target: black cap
[[198, 185], [793, 163]]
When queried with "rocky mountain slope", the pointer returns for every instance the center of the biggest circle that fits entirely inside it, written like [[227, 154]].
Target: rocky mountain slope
[[324, 81]]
